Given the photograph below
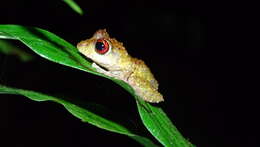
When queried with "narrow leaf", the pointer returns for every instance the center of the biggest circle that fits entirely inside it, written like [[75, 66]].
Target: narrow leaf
[[74, 6], [160, 126], [47, 45], [9, 49], [53, 48], [80, 112]]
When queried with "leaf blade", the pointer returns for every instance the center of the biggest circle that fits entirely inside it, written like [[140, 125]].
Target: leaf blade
[[161, 126], [48, 46], [9, 49], [62, 52], [74, 6], [79, 112]]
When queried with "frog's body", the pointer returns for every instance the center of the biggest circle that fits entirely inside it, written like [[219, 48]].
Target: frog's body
[[111, 58]]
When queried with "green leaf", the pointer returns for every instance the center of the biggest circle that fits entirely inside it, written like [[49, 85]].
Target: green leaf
[[74, 6], [58, 50], [80, 112], [9, 49], [160, 125], [47, 45]]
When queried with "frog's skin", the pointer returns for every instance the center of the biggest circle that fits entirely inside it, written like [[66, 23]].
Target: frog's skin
[[117, 63]]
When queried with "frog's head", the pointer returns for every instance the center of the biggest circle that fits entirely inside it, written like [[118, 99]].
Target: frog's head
[[102, 49]]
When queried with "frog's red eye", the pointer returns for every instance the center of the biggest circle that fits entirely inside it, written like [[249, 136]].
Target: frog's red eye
[[102, 46]]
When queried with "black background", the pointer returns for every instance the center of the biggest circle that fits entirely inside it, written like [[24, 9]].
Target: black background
[[195, 50]]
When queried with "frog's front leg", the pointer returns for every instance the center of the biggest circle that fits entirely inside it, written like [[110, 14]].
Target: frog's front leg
[[115, 74], [100, 70]]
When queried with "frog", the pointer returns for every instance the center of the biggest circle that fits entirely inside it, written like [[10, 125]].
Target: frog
[[111, 58]]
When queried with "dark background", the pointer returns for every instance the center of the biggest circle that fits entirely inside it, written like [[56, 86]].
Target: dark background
[[195, 50]]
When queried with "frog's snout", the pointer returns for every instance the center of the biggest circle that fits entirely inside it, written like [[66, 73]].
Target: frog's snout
[[81, 44]]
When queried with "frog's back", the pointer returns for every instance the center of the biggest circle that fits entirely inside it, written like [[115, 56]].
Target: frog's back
[[145, 73], [144, 83]]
